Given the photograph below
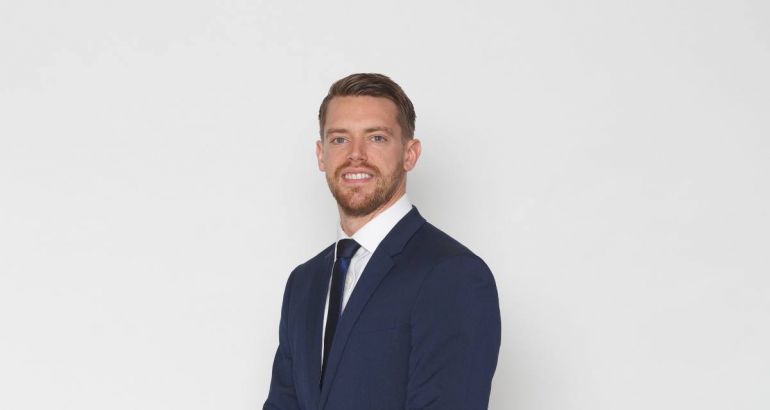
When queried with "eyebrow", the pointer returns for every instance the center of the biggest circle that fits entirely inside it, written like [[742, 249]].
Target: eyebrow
[[367, 130], [335, 131], [375, 129]]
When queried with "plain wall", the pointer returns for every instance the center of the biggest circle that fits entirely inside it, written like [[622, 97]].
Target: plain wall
[[608, 159]]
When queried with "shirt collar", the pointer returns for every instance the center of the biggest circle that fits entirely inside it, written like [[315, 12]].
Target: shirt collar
[[370, 235]]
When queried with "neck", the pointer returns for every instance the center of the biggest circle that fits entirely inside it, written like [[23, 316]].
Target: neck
[[351, 224]]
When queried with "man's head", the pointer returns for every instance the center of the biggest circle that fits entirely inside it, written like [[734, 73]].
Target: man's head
[[367, 143], [372, 85]]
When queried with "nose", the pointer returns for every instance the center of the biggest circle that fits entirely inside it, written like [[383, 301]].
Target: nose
[[357, 150]]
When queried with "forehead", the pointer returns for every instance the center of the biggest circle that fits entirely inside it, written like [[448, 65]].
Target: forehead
[[363, 111]]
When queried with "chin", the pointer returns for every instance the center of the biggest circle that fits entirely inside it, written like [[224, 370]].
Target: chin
[[357, 205], [359, 208], [362, 201]]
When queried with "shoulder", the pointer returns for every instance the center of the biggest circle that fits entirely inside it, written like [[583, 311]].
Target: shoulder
[[319, 259], [302, 271], [455, 285], [433, 243], [447, 258]]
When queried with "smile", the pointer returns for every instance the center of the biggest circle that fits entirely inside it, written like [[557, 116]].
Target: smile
[[357, 176]]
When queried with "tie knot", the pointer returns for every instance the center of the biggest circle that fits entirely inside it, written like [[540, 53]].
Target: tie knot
[[346, 248]]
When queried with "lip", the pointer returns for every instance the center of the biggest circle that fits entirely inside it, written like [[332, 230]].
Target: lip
[[356, 171]]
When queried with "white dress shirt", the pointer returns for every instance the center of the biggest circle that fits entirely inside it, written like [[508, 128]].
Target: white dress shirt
[[369, 237]]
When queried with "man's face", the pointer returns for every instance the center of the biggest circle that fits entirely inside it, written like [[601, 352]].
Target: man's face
[[364, 154]]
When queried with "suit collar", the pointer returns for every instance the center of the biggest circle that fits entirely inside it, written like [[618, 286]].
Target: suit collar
[[373, 232], [396, 239]]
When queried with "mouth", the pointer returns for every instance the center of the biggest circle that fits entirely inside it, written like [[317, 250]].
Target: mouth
[[356, 177]]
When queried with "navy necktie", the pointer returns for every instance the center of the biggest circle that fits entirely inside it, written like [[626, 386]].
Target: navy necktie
[[346, 248]]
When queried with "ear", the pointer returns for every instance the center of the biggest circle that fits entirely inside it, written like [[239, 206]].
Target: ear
[[412, 153], [319, 153]]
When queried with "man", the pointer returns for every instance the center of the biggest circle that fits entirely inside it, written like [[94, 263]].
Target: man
[[395, 314]]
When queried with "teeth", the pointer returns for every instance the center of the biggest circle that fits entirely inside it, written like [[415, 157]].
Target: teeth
[[357, 176]]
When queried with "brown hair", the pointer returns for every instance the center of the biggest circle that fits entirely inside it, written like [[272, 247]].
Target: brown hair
[[372, 85]]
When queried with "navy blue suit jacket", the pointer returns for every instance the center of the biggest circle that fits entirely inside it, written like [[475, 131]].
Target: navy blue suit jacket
[[421, 329]]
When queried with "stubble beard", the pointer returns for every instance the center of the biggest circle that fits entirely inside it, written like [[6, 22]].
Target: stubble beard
[[348, 199]]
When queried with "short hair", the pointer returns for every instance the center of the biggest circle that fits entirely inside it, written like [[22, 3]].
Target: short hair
[[372, 85]]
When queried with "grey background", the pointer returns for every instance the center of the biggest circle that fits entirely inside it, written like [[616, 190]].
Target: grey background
[[608, 159]]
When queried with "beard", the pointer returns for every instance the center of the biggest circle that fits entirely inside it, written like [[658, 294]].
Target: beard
[[354, 201]]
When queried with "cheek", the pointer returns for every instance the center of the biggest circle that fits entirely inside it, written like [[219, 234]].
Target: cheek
[[387, 159], [332, 160]]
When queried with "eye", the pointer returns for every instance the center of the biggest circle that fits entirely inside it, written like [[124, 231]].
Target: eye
[[377, 138], [337, 140]]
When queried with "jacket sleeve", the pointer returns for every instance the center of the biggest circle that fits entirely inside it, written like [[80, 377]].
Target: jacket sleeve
[[455, 337], [282, 395]]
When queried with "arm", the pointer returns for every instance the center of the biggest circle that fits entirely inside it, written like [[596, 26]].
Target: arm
[[455, 337], [282, 395]]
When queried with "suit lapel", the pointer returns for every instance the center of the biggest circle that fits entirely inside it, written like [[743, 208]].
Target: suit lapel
[[316, 304], [376, 270]]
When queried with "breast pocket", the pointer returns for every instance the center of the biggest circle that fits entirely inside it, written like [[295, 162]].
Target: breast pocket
[[383, 346], [380, 324], [403, 327]]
